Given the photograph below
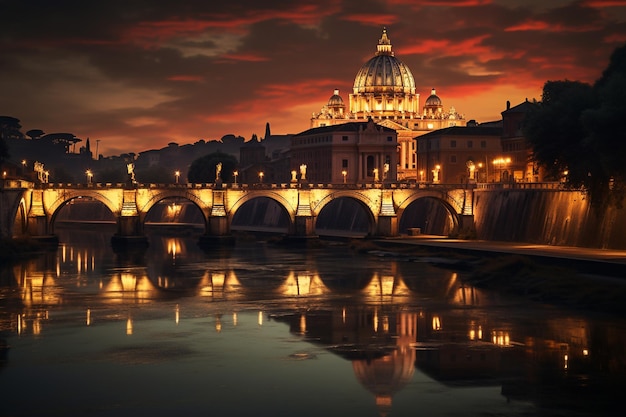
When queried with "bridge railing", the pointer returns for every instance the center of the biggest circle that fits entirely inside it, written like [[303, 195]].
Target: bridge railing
[[15, 183], [253, 186]]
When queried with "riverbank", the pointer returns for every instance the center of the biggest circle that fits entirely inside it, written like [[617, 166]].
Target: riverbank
[[578, 278]]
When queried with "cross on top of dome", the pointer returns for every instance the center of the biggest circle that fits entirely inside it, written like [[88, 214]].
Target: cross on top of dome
[[384, 45]]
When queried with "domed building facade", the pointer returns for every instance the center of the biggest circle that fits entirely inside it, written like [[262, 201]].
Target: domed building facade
[[384, 90]]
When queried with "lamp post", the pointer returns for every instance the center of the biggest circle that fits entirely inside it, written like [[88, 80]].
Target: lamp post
[[235, 174], [89, 175], [261, 174], [375, 174], [344, 173], [177, 175]]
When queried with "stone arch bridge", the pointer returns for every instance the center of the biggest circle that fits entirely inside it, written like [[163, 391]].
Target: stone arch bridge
[[31, 210]]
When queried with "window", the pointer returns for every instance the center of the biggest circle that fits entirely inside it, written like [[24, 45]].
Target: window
[[344, 163], [389, 138], [344, 138], [453, 143], [470, 144]]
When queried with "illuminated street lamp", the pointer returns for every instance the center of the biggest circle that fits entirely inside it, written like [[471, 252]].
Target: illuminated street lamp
[[89, 176], [422, 175], [376, 174], [344, 173], [235, 174], [261, 174], [177, 175]]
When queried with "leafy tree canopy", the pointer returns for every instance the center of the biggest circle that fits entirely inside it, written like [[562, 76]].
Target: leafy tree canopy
[[578, 128], [203, 169]]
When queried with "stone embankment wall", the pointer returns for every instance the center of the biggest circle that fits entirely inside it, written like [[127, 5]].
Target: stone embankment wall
[[551, 217]]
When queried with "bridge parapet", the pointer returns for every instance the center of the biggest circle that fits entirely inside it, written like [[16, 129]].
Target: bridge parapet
[[302, 201]]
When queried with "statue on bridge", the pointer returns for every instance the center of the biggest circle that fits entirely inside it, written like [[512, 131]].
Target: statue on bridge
[[218, 170], [130, 168], [303, 172]]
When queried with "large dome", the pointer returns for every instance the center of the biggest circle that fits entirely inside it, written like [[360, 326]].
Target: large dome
[[384, 73]]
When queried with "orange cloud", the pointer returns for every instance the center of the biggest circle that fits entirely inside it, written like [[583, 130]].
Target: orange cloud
[[245, 57], [443, 3], [372, 19], [185, 78]]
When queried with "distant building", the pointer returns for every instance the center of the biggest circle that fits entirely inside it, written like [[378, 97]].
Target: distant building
[[349, 152], [516, 147], [384, 90], [460, 154]]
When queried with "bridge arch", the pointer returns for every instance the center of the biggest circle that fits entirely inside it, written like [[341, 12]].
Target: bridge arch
[[283, 204], [66, 197], [18, 215], [151, 205], [151, 199], [362, 200], [54, 215], [404, 207]]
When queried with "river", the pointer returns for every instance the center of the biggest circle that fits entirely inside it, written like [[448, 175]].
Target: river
[[259, 329]]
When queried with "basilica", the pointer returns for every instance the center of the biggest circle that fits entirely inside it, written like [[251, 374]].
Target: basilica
[[384, 91]]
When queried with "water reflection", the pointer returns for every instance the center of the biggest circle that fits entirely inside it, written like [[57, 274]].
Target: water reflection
[[404, 327]]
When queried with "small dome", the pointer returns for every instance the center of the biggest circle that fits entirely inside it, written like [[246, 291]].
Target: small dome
[[384, 73], [335, 100], [433, 100]]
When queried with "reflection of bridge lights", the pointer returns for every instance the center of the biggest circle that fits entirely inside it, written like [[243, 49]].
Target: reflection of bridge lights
[[386, 286], [302, 323], [475, 333], [302, 285], [500, 338], [260, 318], [173, 210], [218, 323], [234, 319], [436, 323], [172, 247], [129, 326], [177, 314], [88, 321]]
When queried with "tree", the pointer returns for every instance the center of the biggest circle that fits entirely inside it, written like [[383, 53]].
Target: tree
[[9, 129], [578, 128], [203, 169]]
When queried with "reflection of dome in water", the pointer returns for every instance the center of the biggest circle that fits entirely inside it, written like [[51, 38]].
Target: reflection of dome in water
[[385, 376], [384, 72]]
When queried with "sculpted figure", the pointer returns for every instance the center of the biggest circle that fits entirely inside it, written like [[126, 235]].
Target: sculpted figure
[[303, 172]]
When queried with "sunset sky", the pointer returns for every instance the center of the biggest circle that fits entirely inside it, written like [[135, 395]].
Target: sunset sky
[[136, 75]]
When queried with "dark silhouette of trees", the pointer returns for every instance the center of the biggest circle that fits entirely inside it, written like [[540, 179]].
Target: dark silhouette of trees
[[578, 128], [9, 129], [203, 169]]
